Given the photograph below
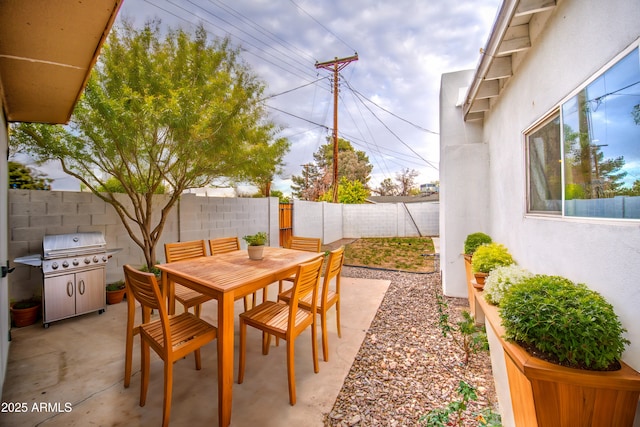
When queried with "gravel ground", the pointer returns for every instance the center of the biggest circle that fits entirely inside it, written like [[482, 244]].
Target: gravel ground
[[405, 367]]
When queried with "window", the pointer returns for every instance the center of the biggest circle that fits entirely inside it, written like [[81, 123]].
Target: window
[[595, 172]]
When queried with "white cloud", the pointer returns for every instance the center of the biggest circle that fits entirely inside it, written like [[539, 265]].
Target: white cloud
[[404, 46]]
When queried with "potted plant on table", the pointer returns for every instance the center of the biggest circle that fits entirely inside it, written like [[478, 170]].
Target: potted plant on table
[[115, 292], [563, 345], [255, 244], [486, 258], [25, 312]]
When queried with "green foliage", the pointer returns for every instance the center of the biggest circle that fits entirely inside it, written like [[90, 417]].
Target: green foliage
[[21, 176], [349, 192], [162, 112], [501, 279], [115, 286], [257, 239], [317, 177], [489, 256], [474, 240], [453, 413], [470, 337], [576, 326]]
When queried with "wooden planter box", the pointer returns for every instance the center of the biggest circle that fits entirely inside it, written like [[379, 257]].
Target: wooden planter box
[[544, 394]]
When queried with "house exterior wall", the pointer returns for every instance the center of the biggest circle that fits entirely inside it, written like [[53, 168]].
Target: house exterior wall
[[578, 40], [4, 251], [464, 193]]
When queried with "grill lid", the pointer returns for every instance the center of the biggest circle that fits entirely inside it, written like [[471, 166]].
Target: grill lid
[[74, 244]]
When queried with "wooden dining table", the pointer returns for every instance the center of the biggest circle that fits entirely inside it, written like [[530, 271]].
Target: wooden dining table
[[226, 278]]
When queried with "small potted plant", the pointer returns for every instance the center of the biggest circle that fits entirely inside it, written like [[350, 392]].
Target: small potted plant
[[564, 344], [486, 258], [473, 242], [115, 292], [25, 312], [255, 244]]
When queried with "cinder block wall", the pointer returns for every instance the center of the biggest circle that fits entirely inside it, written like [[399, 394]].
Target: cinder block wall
[[34, 214]]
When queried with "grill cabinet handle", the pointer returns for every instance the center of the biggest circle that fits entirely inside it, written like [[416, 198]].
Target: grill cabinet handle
[[81, 287], [70, 288]]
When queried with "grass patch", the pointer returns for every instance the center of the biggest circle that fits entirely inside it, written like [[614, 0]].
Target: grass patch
[[396, 253]]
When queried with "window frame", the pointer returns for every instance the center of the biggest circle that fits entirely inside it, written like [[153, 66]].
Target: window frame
[[556, 110]]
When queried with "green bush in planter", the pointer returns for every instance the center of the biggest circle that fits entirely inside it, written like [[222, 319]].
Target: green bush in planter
[[489, 256], [502, 278], [475, 240], [567, 323]]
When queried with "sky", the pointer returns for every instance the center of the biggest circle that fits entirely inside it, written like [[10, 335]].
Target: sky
[[388, 99]]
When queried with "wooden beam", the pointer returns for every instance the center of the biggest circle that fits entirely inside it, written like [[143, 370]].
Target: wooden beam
[[528, 7], [500, 69], [479, 105], [488, 89], [473, 117], [515, 39]]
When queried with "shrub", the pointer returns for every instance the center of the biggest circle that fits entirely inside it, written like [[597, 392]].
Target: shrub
[[489, 256], [568, 323], [501, 279], [474, 240], [115, 286]]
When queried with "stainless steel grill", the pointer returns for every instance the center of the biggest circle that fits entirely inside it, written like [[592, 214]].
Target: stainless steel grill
[[74, 274], [72, 252]]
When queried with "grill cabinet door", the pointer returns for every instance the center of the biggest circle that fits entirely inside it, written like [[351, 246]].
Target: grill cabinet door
[[59, 297], [90, 290]]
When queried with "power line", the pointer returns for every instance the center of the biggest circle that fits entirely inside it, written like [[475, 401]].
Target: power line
[[319, 23], [390, 112]]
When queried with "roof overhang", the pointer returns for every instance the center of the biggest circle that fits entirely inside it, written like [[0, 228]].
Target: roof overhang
[[510, 37], [47, 51]]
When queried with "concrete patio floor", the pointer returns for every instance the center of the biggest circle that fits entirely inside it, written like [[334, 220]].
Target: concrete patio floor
[[71, 374]]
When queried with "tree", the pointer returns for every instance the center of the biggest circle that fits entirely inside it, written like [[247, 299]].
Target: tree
[[406, 181], [21, 176], [176, 111], [387, 188], [349, 192], [269, 159], [317, 177]]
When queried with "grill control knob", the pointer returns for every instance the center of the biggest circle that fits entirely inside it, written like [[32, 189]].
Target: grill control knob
[[65, 263], [104, 258], [87, 261], [75, 262], [54, 265], [95, 259]]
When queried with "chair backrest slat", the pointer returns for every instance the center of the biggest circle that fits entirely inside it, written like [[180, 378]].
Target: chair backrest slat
[[333, 269], [307, 280], [184, 250], [309, 244], [224, 244], [144, 288]]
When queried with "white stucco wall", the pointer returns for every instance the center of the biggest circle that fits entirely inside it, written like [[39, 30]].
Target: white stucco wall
[[464, 192], [579, 39]]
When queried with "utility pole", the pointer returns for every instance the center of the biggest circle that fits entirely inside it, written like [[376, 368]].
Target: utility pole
[[336, 65]]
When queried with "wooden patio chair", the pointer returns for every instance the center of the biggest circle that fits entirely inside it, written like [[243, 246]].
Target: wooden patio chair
[[310, 244], [178, 251], [286, 321], [327, 298], [172, 337], [223, 245]]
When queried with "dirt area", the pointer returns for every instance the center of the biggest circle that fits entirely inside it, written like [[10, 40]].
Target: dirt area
[[411, 254]]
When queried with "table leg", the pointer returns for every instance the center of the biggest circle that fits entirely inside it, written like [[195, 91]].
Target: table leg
[[225, 358]]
